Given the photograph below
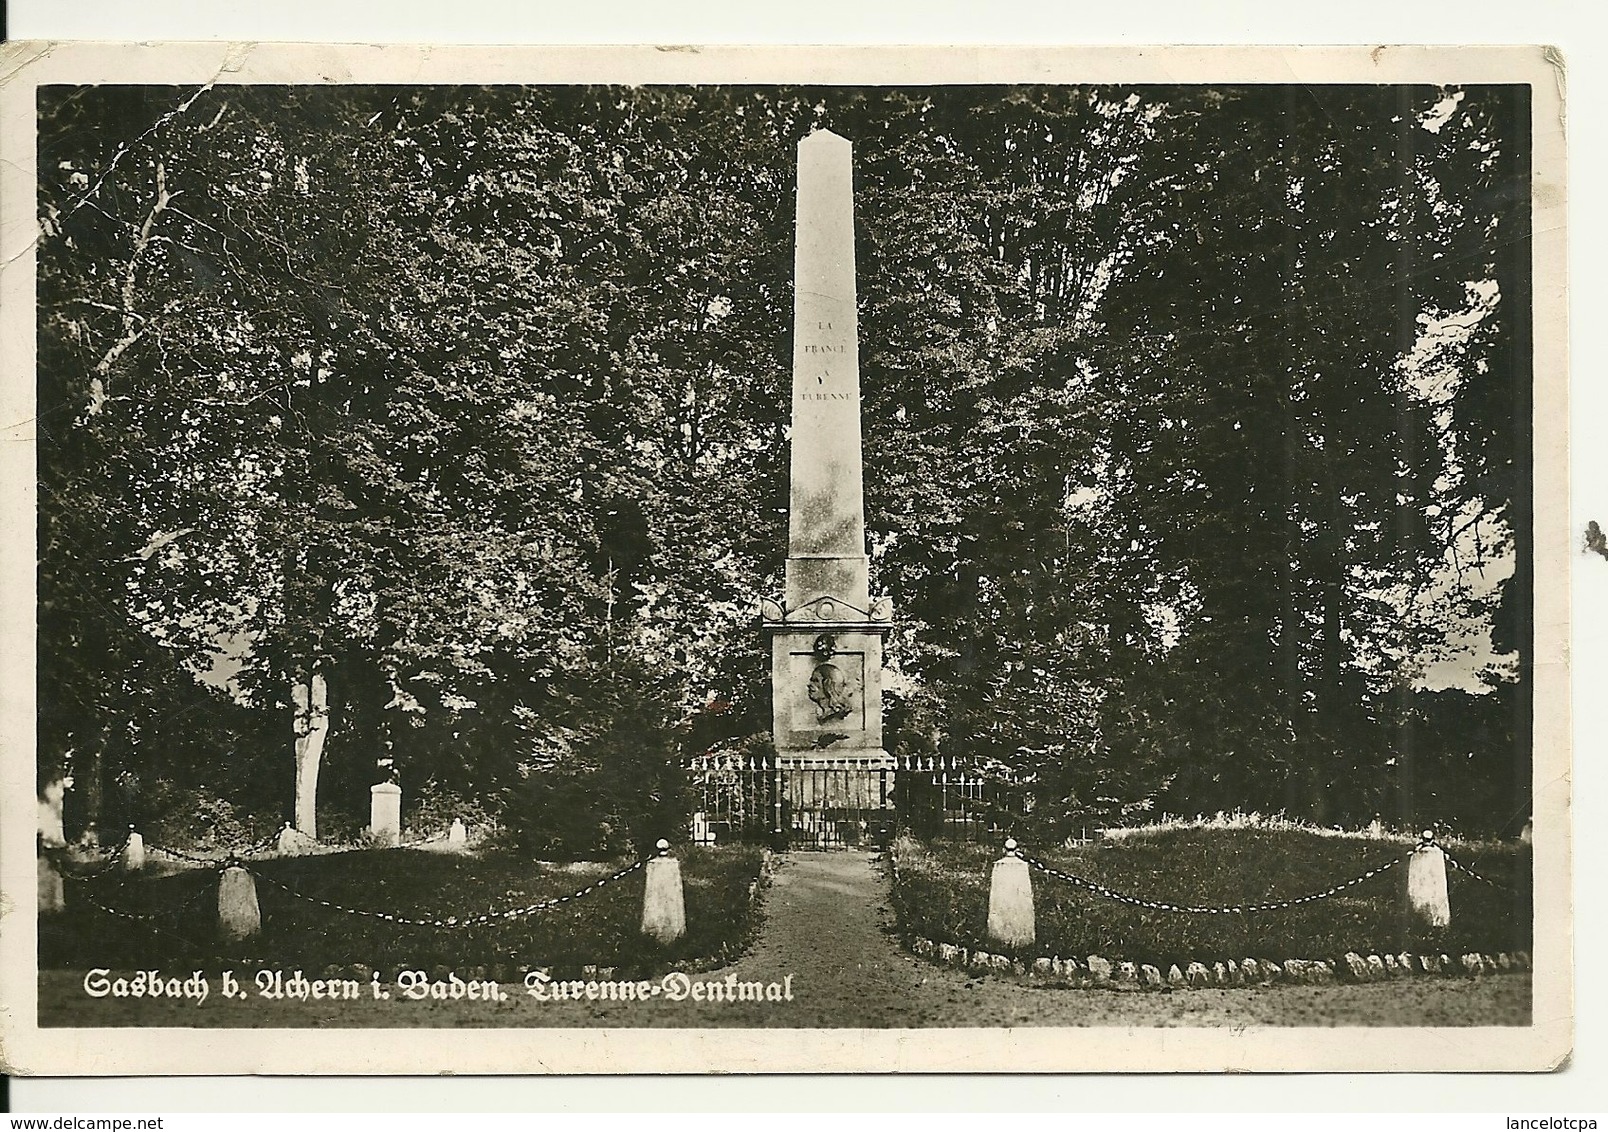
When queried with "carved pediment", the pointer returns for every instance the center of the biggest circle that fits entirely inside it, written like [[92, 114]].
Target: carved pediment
[[826, 609]]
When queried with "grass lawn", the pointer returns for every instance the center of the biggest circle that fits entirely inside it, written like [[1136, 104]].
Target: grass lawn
[[941, 893], [598, 929]]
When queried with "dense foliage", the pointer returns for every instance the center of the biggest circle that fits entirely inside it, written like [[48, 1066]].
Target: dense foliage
[[1194, 429]]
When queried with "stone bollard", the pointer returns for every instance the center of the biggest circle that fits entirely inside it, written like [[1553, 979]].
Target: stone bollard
[[133, 856], [292, 842], [238, 915], [1426, 883], [664, 908], [1010, 900], [385, 813], [52, 894], [457, 836]]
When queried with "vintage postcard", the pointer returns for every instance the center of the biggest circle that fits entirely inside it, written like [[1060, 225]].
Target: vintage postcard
[[784, 560]]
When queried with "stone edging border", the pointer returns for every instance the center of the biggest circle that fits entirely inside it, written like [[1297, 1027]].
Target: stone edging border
[[1098, 972]]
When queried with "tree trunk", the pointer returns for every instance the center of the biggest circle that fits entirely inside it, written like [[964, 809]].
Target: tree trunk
[[94, 798], [311, 698]]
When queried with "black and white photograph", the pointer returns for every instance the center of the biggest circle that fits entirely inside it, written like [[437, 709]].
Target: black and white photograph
[[897, 562]]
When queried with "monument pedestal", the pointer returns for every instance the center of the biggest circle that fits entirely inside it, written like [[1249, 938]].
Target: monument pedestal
[[826, 680], [833, 780]]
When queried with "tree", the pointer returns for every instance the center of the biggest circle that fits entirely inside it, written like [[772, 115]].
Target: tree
[[434, 411], [386, 522], [1283, 447]]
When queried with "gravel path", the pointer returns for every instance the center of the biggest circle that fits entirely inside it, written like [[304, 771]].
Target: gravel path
[[826, 940]]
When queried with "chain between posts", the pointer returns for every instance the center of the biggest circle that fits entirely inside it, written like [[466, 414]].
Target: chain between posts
[[235, 858], [230, 857], [444, 922], [104, 851], [1165, 906], [1462, 868], [457, 921], [179, 854], [238, 856], [108, 863], [149, 921], [1427, 841], [235, 855], [121, 914], [147, 916]]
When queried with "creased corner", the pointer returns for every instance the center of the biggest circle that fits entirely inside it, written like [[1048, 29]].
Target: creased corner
[[1552, 56], [19, 56]]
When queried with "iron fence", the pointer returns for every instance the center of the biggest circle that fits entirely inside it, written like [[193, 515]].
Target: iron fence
[[842, 803]]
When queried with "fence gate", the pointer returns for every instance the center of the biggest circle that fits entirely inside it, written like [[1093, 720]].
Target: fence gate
[[841, 804], [836, 805]]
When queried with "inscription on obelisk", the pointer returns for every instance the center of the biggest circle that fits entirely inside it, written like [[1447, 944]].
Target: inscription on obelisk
[[826, 516], [827, 632]]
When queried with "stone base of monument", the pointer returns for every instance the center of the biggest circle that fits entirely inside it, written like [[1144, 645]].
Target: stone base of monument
[[385, 813]]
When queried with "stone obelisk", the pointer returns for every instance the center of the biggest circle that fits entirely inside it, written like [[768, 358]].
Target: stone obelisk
[[827, 632]]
